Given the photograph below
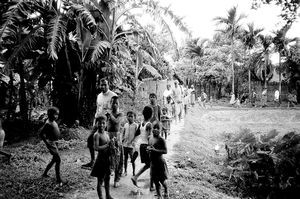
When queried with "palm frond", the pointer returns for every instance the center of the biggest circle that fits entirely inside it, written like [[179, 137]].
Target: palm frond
[[99, 49], [12, 17], [30, 42], [56, 34], [85, 15]]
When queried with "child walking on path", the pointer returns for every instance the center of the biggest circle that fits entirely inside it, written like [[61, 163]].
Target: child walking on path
[[113, 127], [50, 134], [166, 123], [144, 132], [101, 168], [158, 167], [129, 131]]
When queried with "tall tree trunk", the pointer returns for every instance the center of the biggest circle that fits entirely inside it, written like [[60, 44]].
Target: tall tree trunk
[[232, 64], [279, 74], [11, 93], [22, 92], [265, 69]]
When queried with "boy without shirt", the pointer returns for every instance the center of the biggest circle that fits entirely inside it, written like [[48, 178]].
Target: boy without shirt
[[113, 127], [50, 134]]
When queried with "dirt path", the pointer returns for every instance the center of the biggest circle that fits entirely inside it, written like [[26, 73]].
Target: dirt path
[[127, 190]]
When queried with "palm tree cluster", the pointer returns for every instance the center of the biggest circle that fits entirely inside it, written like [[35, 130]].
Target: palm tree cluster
[[68, 45], [236, 53]]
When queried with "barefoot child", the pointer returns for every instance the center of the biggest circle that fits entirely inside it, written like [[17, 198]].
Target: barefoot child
[[166, 122], [142, 141], [113, 128], [101, 168], [128, 138], [50, 134], [158, 167]]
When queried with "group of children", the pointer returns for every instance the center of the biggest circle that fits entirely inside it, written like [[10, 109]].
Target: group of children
[[116, 144]]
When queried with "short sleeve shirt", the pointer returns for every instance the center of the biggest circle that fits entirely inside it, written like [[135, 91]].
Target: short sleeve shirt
[[103, 102]]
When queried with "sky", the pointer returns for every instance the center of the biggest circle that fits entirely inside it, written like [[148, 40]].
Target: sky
[[199, 15]]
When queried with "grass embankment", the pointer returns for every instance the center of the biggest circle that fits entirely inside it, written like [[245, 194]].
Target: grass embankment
[[196, 171], [21, 177]]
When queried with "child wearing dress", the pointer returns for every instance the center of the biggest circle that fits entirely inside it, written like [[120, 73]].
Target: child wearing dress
[[158, 167], [101, 168], [166, 123]]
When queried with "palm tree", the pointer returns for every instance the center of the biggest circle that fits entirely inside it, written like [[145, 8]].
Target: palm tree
[[280, 41], [266, 42], [249, 38], [195, 50], [232, 29]]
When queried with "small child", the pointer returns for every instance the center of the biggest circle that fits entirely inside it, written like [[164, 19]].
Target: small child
[[50, 134], [2, 136], [128, 141], [158, 167], [170, 106], [166, 123], [101, 168]]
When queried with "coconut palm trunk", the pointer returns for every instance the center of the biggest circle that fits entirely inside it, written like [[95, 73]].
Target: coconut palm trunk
[[279, 73]]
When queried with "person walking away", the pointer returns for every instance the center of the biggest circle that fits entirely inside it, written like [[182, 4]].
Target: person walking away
[[144, 132], [113, 127], [155, 107], [101, 168], [129, 132], [193, 95], [276, 98], [103, 105], [253, 98], [166, 123], [50, 134], [158, 166]]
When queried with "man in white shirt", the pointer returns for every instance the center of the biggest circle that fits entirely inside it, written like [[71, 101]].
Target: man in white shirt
[[167, 93], [103, 106], [276, 98]]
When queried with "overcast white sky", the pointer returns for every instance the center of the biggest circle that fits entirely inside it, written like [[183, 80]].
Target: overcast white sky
[[199, 15]]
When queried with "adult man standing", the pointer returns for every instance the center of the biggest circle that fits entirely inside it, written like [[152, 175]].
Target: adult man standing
[[177, 96], [167, 93], [103, 106]]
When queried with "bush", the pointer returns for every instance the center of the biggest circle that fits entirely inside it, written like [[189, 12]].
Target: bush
[[267, 166]]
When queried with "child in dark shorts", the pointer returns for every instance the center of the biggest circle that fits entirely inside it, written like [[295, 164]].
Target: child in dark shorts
[[50, 134], [129, 131], [101, 168], [166, 123], [158, 167], [144, 131]]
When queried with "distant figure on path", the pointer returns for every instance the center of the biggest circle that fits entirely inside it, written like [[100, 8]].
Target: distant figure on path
[[235, 102], [253, 98], [292, 99], [264, 97], [177, 96], [276, 98], [203, 99], [193, 95]]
